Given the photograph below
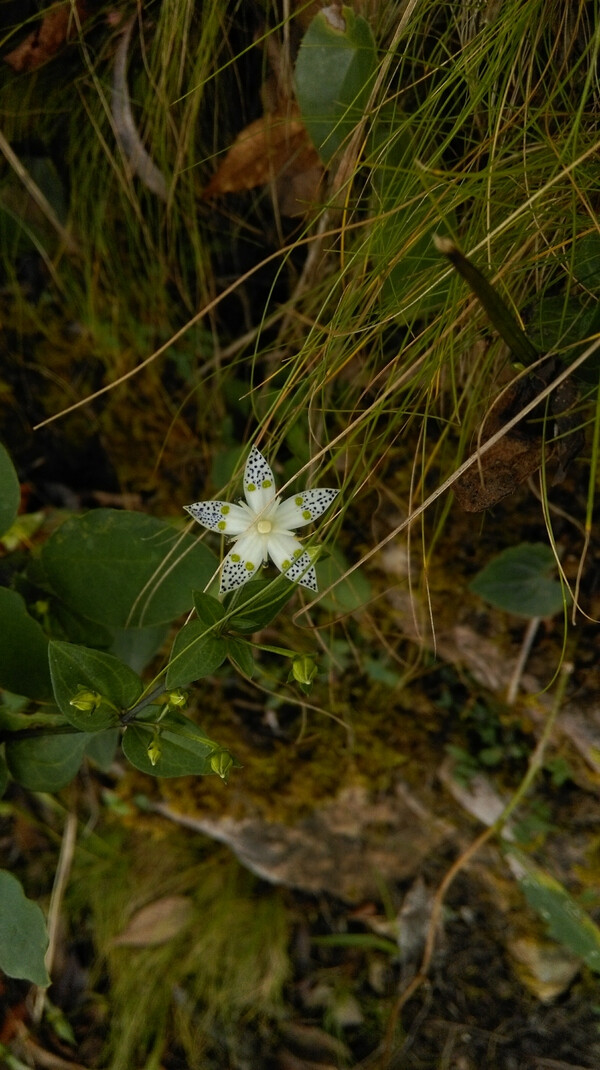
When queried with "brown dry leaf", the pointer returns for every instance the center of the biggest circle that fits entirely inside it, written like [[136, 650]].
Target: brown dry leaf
[[156, 923], [520, 453], [275, 148], [44, 42]]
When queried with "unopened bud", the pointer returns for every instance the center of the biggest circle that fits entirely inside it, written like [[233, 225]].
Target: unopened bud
[[86, 701], [221, 763], [154, 751], [304, 670], [177, 699]]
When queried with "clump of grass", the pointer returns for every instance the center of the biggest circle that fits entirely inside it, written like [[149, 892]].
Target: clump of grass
[[198, 990]]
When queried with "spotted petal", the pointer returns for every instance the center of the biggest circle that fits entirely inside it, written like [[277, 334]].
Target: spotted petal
[[286, 552], [259, 482], [221, 516], [301, 508], [242, 562]]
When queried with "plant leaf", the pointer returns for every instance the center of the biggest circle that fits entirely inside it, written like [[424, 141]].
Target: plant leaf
[[240, 655], [74, 668], [334, 74], [183, 748], [258, 604], [195, 654], [567, 922], [23, 650], [518, 580], [23, 936], [10, 491], [107, 565], [47, 763]]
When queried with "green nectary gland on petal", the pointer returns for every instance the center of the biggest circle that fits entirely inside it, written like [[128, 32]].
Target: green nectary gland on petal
[[306, 513], [250, 566], [251, 487], [236, 558], [225, 509], [298, 500]]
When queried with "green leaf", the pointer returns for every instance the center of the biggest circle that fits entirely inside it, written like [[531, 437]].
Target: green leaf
[[567, 922], [496, 308], [23, 936], [570, 326], [46, 763], [74, 668], [210, 611], [195, 654], [518, 580], [102, 748], [23, 650], [125, 569], [10, 491], [359, 941], [137, 646], [240, 655], [350, 593], [258, 603], [3, 774], [334, 76], [182, 747]]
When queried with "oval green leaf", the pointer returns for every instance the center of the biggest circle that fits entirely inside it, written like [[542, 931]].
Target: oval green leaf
[[519, 581], [334, 76], [10, 491], [182, 748], [240, 655], [125, 569], [196, 653], [258, 604], [567, 922], [23, 650], [23, 936], [46, 763], [76, 668]]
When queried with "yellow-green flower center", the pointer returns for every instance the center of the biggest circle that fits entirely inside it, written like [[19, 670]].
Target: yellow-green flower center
[[264, 527]]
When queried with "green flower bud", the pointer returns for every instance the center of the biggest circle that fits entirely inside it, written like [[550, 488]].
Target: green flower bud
[[177, 699], [86, 701], [154, 751], [221, 763], [304, 670]]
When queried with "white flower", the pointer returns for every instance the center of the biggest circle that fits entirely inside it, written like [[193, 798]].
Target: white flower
[[262, 527]]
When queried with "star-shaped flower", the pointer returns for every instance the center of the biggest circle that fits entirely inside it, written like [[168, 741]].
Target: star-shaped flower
[[263, 526]]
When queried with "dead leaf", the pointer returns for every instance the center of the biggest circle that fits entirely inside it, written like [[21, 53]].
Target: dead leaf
[[56, 27], [156, 923], [519, 453], [545, 969], [275, 148]]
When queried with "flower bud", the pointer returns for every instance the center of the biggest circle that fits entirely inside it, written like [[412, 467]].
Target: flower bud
[[304, 670], [177, 699], [221, 763], [154, 751], [86, 701]]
